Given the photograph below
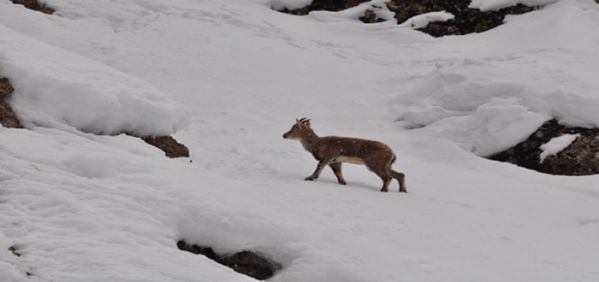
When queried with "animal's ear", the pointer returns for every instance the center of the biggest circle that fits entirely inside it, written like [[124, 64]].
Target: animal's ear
[[303, 122]]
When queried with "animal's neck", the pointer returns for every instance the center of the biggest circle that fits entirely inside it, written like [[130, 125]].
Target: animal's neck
[[309, 140]]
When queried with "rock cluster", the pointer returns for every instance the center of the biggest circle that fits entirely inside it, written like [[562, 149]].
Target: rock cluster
[[245, 262], [580, 158], [467, 20], [8, 118]]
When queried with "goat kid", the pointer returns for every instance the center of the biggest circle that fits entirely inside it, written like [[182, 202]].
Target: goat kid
[[333, 151]]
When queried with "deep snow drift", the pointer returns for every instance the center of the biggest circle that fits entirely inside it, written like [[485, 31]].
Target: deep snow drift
[[229, 77]]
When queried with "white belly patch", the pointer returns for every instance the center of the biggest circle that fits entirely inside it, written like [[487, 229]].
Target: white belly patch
[[352, 160]]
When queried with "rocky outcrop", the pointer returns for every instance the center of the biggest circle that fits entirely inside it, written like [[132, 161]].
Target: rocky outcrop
[[466, 20], [580, 158], [8, 118], [35, 5], [245, 262], [169, 145]]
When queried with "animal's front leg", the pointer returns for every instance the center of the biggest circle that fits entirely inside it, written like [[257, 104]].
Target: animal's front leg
[[318, 170], [336, 167]]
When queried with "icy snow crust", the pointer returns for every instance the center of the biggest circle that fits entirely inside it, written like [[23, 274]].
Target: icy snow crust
[[82, 207]]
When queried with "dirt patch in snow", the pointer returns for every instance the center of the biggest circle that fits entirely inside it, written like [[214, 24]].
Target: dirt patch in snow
[[245, 262], [169, 145], [579, 158], [8, 118], [35, 5]]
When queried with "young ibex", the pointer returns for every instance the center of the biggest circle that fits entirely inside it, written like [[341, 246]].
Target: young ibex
[[333, 150]]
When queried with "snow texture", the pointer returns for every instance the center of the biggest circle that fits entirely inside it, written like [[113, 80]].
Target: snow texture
[[556, 145], [85, 207]]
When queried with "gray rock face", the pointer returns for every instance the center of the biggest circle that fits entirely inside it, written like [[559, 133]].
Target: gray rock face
[[580, 158]]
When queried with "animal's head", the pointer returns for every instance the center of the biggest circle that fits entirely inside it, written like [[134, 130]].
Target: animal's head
[[299, 129]]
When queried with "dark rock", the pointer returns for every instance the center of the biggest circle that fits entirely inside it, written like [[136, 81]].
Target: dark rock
[[467, 20], [580, 158], [244, 262], [35, 5], [14, 251], [169, 145], [8, 118], [251, 264], [5, 88], [325, 5], [370, 17]]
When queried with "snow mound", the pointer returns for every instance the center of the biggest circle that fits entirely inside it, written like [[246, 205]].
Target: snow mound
[[556, 145], [56, 88], [488, 117], [289, 4], [494, 5], [421, 21]]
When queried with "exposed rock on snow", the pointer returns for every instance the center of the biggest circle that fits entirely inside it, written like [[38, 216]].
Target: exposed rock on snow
[[169, 145], [245, 262], [580, 158], [370, 16], [5, 88], [467, 20], [324, 5], [8, 118], [35, 5]]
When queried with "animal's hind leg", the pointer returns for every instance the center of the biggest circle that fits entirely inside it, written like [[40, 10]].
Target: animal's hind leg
[[401, 178], [385, 176], [336, 167]]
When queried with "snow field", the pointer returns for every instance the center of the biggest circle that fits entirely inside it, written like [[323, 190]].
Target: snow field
[[96, 208]]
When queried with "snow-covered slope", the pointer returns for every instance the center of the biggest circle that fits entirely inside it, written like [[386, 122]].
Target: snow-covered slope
[[230, 77]]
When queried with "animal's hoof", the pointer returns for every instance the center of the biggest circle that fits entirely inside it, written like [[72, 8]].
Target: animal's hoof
[[384, 190], [342, 182], [309, 178]]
